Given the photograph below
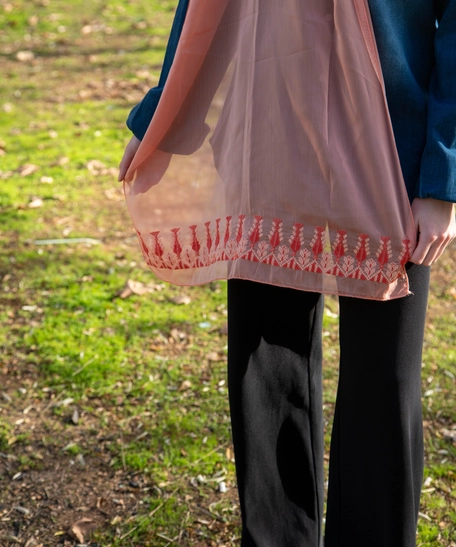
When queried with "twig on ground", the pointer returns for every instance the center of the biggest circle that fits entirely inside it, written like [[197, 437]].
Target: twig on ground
[[80, 369], [128, 533], [122, 451], [166, 538], [208, 513], [182, 527], [424, 516], [152, 513], [208, 454], [87, 240], [53, 401]]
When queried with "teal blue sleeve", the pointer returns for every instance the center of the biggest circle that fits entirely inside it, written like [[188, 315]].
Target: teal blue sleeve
[[139, 119], [438, 164]]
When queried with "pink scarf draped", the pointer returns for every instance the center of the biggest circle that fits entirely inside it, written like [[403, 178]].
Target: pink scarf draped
[[271, 155]]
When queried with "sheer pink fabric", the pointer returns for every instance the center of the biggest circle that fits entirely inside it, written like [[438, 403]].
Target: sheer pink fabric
[[274, 153]]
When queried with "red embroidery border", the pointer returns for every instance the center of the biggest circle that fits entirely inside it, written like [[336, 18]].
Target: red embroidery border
[[248, 243]]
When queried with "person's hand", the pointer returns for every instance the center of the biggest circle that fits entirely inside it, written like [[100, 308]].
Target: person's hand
[[436, 226], [128, 156]]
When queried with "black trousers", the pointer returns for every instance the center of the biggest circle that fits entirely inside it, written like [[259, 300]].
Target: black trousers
[[275, 388]]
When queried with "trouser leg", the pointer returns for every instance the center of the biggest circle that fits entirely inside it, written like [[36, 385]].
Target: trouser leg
[[274, 379], [376, 460]]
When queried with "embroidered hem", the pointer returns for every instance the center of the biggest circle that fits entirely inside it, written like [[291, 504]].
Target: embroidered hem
[[268, 242]]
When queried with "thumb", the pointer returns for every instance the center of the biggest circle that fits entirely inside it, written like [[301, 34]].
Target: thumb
[[127, 157]]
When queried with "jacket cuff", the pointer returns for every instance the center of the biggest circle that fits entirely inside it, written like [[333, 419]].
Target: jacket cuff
[[139, 118]]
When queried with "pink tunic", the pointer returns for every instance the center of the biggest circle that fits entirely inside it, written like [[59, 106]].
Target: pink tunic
[[271, 155]]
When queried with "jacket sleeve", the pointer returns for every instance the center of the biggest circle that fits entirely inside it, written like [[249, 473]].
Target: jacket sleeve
[[438, 163], [139, 118]]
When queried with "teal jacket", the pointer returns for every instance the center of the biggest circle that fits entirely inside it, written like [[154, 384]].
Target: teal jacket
[[416, 40]]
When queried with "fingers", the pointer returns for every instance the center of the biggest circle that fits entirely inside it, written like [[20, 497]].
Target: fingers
[[124, 164], [429, 249], [436, 226], [127, 157]]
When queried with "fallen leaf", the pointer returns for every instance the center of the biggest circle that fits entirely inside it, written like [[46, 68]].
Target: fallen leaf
[[65, 402], [24, 56], [331, 314], [29, 308], [27, 169], [230, 454], [449, 435], [213, 356], [133, 287], [100, 502], [177, 335], [95, 166], [64, 160], [81, 528], [35, 203], [114, 194], [75, 416], [186, 384], [181, 299], [143, 74]]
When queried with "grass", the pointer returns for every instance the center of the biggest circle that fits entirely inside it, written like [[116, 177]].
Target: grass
[[145, 375]]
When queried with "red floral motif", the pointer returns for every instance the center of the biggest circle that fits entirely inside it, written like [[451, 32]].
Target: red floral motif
[[370, 268], [202, 247], [240, 228], [256, 231], [262, 251], [217, 232], [144, 249], [348, 266], [227, 230], [340, 245], [326, 262], [196, 246], [391, 271], [282, 255], [275, 236], [318, 241], [384, 253], [208, 235], [177, 247], [297, 239], [304, 259], [404, 257], [362, 249], [158, 249]]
